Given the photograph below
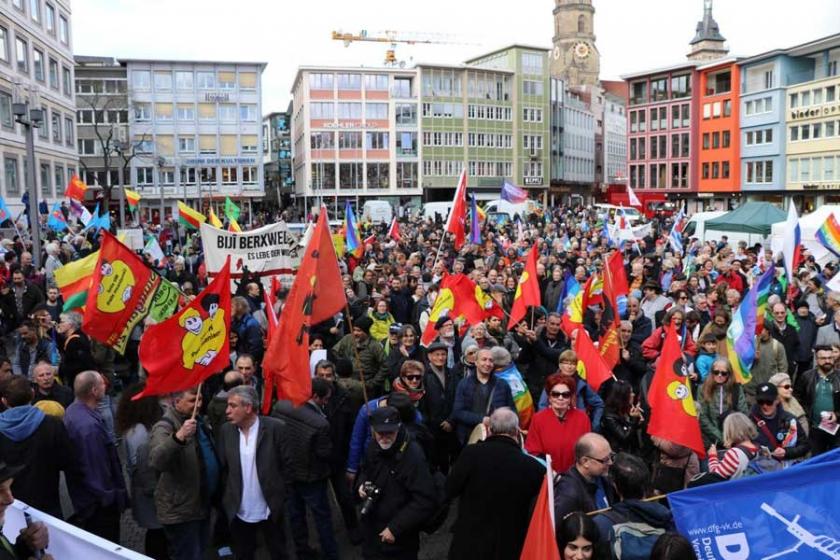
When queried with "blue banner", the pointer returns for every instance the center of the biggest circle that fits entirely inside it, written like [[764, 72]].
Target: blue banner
[[794, 513]]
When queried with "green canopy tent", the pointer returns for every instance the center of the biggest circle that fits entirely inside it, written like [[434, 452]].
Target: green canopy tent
[[750, 217]]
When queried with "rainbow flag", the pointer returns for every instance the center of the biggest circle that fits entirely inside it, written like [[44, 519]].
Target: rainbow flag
[[133, 198], [352, 236], [740, 336], [521, 395], [188, 217], [829, 235]]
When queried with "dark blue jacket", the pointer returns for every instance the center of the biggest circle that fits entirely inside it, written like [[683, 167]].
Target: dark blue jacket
[[250, 337], [465, 419]]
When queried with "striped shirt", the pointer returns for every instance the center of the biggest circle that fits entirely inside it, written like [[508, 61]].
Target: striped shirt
[[733, 464]]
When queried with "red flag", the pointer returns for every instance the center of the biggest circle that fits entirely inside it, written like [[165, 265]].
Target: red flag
[[316, 295], [456, 298], [192, 345], [591, 367], [394, 230], [673, 412], [615, 286], [75, 188], [527, 291], [123, 297], [270, 315], [540, 542], [456, 223]]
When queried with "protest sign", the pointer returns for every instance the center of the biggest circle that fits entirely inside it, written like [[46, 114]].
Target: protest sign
[[790, 512], [269, 251]]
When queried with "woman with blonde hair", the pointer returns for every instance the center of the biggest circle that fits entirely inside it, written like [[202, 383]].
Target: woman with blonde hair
[[789, 403], [739, 434], [719, 397]]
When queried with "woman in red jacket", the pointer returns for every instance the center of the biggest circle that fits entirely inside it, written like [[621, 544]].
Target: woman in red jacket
[[652, 346], [554, 430]]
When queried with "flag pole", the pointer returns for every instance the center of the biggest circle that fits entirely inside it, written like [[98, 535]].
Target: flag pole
[[440, 248], [197, 400], [356, 355]]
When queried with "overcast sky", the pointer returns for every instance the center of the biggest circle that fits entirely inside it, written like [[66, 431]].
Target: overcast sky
[[631, 34]]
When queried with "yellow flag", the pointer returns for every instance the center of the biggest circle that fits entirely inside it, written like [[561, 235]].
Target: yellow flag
[[214, 219], [234, 226]]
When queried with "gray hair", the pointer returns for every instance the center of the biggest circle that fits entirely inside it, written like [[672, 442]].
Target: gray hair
[[247, 394], [501, 357], [84, 383], [505, 422], [325, 364], [779, 379], [737, 428], [52, 248], [75, 319]]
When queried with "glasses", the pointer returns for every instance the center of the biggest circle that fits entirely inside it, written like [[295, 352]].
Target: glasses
[[608, 460], [560, 394], [721, 372], [413, 377], [784, 386]]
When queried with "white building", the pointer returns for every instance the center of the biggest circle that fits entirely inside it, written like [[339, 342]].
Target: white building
[[197, 128], [578, 141], [36, 65], [354, 134], [615, 140]]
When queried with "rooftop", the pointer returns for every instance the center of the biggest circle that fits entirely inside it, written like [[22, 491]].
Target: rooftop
[[707, 28]]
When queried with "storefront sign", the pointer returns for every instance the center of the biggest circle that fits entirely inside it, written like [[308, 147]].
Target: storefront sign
[[350, 124], [533, 181], [217, 97], [815, 112], [821, 186], [219, 161]]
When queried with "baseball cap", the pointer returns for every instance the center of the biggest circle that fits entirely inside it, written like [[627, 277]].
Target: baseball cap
[[385, 419], [437, 345], [766, 393]]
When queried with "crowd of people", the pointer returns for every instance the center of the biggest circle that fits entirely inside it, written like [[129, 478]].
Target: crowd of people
[[405, 439]]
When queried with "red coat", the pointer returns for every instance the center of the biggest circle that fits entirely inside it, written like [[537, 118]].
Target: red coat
[[549, 435], [652, 346]]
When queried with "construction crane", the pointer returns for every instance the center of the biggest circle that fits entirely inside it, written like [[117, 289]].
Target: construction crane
[[395, 37]]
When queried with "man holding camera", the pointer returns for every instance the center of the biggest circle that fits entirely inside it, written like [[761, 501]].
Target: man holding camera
[[397, 490]]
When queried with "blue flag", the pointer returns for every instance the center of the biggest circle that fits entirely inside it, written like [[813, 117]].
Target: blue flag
[[56, 221], [793, 513], [475, 230]]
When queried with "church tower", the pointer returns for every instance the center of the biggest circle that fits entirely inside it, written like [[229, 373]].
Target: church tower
[[708, 43], [574, 58]]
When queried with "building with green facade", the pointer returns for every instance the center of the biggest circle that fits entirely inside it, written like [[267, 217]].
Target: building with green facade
[[490, 115]]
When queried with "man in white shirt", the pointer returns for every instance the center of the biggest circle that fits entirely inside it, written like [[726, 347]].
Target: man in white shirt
[[255, 466]]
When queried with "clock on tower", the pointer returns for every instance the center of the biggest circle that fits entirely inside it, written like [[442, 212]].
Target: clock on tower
[[575, 58]]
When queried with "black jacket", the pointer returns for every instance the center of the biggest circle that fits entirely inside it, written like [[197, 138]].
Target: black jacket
[[790, 340], [341, 414], [76, 357], [59, 393], [497, 484], [807, 337], [407, 497], [632, 369], [806, 384], [306, 437], [778, 427], [46, 451], [545, 357], [436, 405], [395, 359], [401, 305], [642, 328], [572, 492], [622, 433]]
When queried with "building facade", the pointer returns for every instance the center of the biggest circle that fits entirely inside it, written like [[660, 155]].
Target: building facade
[[615, 140], [277, 157], [355, 135], [196, 127], [36, 66], [719, 132], [578, 146]]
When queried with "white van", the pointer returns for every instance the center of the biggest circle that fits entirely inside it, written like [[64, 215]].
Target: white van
[[632, 214], [431, 209], [377, 211], [522, 209]]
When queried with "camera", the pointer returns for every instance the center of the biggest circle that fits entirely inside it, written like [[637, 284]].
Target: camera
[[372, 493]]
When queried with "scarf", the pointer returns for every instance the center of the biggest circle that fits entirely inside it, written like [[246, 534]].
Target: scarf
[[414, 394]]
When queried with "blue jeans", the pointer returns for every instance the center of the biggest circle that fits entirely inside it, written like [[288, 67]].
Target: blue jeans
[[187, 541], [314, 495]]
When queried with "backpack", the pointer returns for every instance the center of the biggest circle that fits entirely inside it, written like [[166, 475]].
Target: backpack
[[632, 540], [759, 463]]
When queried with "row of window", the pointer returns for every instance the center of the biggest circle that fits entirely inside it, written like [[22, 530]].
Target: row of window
[[51, 174], [447, 139], [576, 168], [406, 142], [531, 114], [46, 18], [56, 126], [814, 169], [715, 170], [659, 90], [145, 176], [717, 109], [680, 118], [206, 144], [401, 86], [812, 97], [40, 64], [758, 172], [187, 80], [814, 131], [758, 106], [680, 146], [352, 175], [758, 137], [716, 140], [101, 86], [658, 178], [207, 112]]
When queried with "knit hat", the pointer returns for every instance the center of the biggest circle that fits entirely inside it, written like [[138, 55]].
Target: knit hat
[[364, 323], [442, 321], [50, 408]]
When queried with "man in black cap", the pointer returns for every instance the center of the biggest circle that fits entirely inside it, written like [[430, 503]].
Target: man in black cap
[[367, 357], [436, 406], [448, 335], [397, 489], [33, 538], [778, 429]]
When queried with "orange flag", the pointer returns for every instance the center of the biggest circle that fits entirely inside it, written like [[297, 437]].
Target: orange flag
[[316, 294], [75, 188], [527, 291], [192, 345], [591, 366], [673, 413], [540, 541]]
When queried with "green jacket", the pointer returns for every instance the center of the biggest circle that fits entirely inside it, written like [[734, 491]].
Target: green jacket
[[371, 357], [711, 415]]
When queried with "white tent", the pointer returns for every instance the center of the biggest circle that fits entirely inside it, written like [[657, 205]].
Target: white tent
[[808, 225]]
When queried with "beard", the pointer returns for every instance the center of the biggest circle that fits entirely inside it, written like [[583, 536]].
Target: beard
[[385, 446]]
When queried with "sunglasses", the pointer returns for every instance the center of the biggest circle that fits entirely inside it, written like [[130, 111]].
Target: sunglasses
[[413, 377], [560, 394], [724, 373], [784, 386]]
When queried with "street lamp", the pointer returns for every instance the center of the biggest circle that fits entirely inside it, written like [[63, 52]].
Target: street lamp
[[30, 119], [121, 146]]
